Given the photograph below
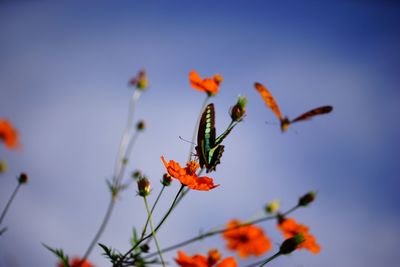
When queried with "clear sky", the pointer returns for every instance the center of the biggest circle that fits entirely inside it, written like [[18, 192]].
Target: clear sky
[[64, 68]]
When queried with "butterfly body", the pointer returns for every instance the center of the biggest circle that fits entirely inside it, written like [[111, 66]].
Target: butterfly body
[[285, 121]]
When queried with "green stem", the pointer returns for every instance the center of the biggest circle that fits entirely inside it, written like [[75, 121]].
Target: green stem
[[290, 211], [196, 127], [151, 212], [125, 147], [265, 261], [126, 142], [153, 233], [170, 208], [219, 231], [155, 230], [100, 230], [3, 214]]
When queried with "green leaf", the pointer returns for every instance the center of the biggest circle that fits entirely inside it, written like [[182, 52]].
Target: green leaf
[[60, 254]]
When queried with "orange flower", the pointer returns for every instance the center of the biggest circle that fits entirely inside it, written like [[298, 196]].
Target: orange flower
[[198, 260], [289, 227], [188, 176], [246, 240], [207, 85], [8, 134], [75, 263]]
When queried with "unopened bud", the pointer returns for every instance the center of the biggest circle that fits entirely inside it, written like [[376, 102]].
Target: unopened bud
[[140, 81], [238, 111], [166, 180], [141, 125], [3, 166], [272, 207], [307, 199], [136, 174], [291, 244], [145, 248], [23, 178], [143, 187]]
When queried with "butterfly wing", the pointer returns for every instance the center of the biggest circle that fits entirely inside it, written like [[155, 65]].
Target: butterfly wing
[[206, 135], [214, 158], [316, 111], [268, 99]]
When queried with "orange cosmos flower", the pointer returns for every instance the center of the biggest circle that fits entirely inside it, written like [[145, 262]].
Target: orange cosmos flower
[[246, 240], [207, 85], [198, 260], [289, 227], [8, 134], [188, 176], [75, 262]]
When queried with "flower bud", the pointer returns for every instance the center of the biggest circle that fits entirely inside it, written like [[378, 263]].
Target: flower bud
[[290, 244], [272, 207], [3, 166], [307, 199], [143, 187], [144, 248], [140, 81], [213, 257], [238, 111], [141, 125], [23, 178], [166, 180], [136, 174]]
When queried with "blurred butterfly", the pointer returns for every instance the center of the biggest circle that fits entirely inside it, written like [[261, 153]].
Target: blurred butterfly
[[209, 149], [285, 122]]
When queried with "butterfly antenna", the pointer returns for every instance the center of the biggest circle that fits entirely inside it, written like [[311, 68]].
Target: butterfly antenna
[[190, 142]]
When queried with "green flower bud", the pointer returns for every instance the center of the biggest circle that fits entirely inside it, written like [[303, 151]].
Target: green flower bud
[[143, 187], [307, 199]]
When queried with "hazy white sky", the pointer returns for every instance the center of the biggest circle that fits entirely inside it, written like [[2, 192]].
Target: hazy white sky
[[64, 68]]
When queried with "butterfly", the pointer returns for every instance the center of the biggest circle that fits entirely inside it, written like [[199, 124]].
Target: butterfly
[[285, 122], [209, 148]]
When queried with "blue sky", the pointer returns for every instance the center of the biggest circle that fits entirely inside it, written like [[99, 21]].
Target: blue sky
[[64, 68]]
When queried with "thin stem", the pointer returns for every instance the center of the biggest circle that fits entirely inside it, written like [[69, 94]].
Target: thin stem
[[290, 211], [219, 231], [196, 127], [151, 212], [126, 135], [125, 147], [153, 233], [125, 160], [265, 261], [170, 208], [3, 214], [101, 229], [155, 230]]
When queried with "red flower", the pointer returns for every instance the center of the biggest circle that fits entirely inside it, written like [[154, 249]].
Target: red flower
[[246, 240], [8, 134], [75, 262], [207, 85], [188, 176], [198, 260], [289, 227]]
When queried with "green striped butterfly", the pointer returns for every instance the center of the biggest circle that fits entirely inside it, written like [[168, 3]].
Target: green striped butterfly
[[209, 149]]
